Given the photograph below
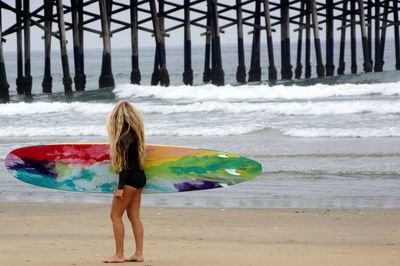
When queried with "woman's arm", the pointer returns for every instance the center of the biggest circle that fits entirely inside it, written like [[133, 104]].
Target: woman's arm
[[122, 178]]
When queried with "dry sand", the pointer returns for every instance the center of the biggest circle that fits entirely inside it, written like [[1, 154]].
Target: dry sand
[[80, 234]]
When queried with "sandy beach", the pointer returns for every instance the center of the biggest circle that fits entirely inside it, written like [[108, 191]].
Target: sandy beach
[[80, 234]]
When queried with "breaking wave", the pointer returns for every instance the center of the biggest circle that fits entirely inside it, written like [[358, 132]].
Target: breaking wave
[[254, 92], [274, 108]]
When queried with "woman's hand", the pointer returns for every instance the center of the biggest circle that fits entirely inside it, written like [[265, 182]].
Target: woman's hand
[[118, 193]]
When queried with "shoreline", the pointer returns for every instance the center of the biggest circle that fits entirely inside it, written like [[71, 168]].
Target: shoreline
[[81, 234]]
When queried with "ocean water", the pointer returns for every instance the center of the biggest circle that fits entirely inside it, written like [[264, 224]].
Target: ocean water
[[332, 142]]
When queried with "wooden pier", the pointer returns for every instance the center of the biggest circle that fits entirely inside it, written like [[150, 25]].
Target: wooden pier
[[324, 21]]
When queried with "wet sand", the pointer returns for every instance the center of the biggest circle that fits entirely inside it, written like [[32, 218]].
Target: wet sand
[[81, 234]]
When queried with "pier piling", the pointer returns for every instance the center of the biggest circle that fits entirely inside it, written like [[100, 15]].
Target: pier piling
[[396, 25], [369, 32], [241, 69], [47, 82], [307, 73], [255, 66], [135, 73], [20, 62], [285, 40], [67, 80], [106, 78], [366, 49], [207, 52], [187, 47], [160, 58], [81, 79], [4, 92], [217, 73], [164, 75], [78, 79], [383, 31], [330, 66], [155, 77], [299, 66], [27, 83], [378, 50], [342, 64], [272, 73], [317, 41], [353, 40]]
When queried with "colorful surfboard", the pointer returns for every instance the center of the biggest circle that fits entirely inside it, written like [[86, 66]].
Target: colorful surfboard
[[87, 168]]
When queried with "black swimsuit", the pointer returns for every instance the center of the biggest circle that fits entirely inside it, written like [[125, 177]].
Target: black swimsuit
[[132, 175]]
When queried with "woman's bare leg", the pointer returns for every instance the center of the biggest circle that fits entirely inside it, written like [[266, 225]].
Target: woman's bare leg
[[117, 210], [137, 227]]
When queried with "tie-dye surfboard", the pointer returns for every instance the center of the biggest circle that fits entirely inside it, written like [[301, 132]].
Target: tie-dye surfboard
[[87, 168]]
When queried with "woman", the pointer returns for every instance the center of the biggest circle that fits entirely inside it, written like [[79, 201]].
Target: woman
[[127, 151]]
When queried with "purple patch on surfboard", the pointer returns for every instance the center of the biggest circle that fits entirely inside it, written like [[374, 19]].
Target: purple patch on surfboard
[[197, 184], [39, 167]]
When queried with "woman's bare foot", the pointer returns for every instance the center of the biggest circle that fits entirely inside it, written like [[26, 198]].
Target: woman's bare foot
[[135, 258], [115, 259]]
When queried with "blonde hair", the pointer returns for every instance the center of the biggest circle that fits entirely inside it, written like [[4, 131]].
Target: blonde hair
[[124, 125]]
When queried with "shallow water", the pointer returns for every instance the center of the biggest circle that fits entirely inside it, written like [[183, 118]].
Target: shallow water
[[297, 172]]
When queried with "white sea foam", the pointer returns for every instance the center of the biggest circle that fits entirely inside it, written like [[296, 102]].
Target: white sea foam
[[343, 132], [151, 130], [11, 131], [225, 130], [286, 108], [273, 108], [22, 108], [254, 92]]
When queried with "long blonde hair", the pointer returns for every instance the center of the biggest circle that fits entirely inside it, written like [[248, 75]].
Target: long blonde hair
[[124, 123]]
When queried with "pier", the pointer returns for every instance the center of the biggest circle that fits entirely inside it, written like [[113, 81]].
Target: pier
[[313, 25]]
